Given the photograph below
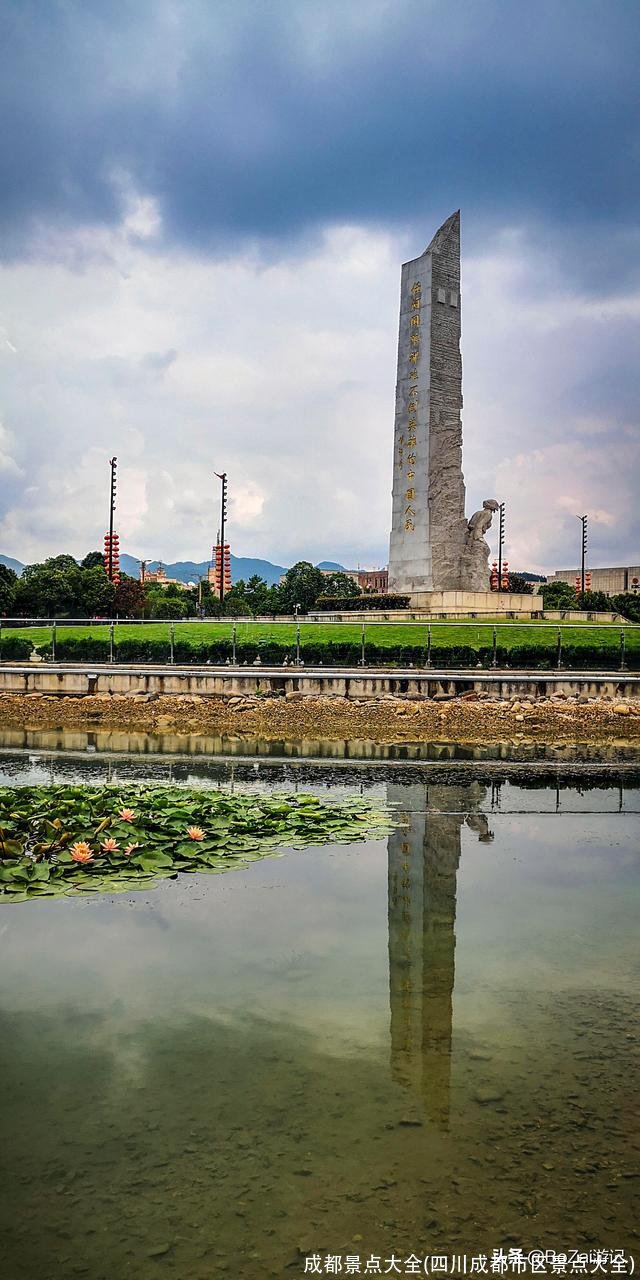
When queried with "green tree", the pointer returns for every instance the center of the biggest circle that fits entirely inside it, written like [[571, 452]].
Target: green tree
[[302, 585], [519, 585], [61, 588], [8, 587], [595, 601], [93, 560], [257, 594], [204, 599], [339, 584], [49, 590], [236, 601], [559, 595], [62, 563], [172, 607], [271, 602], [628, 604], [96, 594]]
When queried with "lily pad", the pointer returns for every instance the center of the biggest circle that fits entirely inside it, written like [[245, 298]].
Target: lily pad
[[64, 831]]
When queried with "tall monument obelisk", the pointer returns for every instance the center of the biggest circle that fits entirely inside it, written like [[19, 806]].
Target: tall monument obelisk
[[429, 529]]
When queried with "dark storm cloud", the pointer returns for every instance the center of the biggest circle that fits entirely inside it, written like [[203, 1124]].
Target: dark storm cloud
[[261, 122]]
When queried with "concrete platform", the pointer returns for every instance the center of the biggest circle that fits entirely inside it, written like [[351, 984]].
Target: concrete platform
[[475, 602], [451, 604]]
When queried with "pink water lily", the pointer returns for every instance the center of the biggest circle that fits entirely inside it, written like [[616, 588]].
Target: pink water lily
[[110, 845], [195, 833], [81, 851], [130, 848], [127, 815]]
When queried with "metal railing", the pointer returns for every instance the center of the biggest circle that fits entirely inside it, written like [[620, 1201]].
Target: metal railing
[[482, 639]]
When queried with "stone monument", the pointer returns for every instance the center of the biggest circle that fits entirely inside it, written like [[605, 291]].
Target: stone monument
[[434, 549]]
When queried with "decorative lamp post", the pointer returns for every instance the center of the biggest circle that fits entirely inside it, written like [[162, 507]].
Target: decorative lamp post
[[583, 521], [222, 477], [500, 545]]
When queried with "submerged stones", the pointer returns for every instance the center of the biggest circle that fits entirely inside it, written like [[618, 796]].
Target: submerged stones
[[488, 1093], [301, 716]]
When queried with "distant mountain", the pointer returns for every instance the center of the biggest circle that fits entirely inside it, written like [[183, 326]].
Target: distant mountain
[[12, 564], [244, 567], [241, 567], [189, 571], [132, 566]]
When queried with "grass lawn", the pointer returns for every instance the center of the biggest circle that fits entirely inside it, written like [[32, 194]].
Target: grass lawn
[[509, 633]]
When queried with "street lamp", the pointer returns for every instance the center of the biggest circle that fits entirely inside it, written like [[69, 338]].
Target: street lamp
[[500, 544], [583, 521], [296, 609], [110, 566], [222, 477]]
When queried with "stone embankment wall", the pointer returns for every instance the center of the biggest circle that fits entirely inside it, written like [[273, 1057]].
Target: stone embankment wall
[[354, 684]]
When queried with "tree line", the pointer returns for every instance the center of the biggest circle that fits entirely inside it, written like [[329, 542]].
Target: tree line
[[62, 587], [560, 595]]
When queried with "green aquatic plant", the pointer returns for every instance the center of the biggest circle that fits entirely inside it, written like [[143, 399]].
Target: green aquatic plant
[[117, 838]]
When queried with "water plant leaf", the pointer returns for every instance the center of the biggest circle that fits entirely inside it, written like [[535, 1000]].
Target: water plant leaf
[[47, 855]]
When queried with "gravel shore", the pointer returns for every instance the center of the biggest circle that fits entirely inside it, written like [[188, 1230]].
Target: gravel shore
[[469, 718]]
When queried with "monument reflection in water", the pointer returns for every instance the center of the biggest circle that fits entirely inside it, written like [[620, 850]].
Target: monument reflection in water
[[424, 855]]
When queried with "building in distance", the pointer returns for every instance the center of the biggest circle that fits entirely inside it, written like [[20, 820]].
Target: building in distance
[[374, 581], [159, 578], [613, 580]]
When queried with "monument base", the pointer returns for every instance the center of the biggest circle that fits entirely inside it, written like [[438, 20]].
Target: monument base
[[475, 602], [441, 604]]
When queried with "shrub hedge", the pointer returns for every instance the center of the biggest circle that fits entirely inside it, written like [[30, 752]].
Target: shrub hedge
[[272, 653], [354, 604], [15, 649]]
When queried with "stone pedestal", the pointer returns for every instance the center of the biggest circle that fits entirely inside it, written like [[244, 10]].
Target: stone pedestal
[[491, 603]]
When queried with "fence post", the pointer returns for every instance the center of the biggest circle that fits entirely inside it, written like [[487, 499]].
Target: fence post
[[0, 639], [53, 640], [233, 634], [171, 640], [622, 645], [110, 642], [559, 654], [494, 655], [428, 644], [362, 662], [297, 644]]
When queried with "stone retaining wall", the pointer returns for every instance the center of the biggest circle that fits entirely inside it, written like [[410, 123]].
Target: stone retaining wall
[[355, 683]]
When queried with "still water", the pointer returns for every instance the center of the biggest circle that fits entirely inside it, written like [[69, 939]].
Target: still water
[[424, 1044]]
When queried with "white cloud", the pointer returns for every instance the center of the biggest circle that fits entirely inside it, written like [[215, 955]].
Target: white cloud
[[8, 464], [247, 505], [283, 375]]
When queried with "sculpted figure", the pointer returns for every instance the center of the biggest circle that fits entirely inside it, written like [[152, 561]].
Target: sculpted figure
[[476, 550], [481, 520]]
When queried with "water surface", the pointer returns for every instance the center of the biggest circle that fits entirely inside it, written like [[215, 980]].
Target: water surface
[[421, 1044]]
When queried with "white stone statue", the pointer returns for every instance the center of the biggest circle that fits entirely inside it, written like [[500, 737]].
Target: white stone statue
[[475, 561]]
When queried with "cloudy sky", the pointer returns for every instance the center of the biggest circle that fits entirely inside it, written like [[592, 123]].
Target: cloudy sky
[[204, 208]]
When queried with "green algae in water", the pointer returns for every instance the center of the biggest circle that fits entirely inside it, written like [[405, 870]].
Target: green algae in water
[[56, 840]]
